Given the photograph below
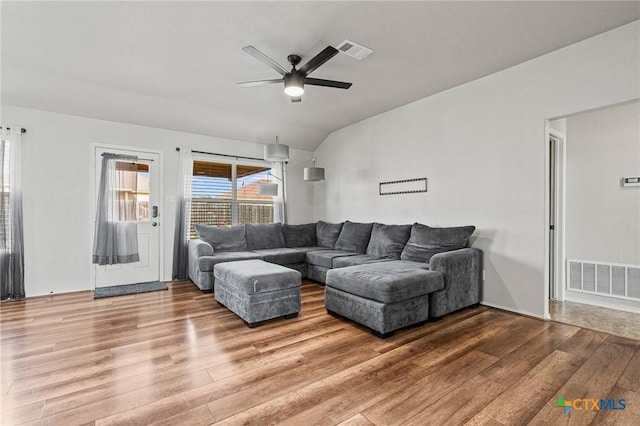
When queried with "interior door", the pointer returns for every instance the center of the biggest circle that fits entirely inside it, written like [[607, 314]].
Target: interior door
[[138, 197]]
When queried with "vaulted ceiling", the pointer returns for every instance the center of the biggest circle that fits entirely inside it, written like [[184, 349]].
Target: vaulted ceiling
[[175, 65]]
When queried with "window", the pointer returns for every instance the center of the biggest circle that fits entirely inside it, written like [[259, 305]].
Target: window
[[226, 194], [132, 183]]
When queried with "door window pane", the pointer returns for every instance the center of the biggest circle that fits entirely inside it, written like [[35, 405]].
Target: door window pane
[[132, 183]]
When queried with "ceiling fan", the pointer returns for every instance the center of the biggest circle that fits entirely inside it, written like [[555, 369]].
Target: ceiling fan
[[295, 79]]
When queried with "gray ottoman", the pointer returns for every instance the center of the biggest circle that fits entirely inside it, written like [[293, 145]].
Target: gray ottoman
[[383, 296], [256, 290]]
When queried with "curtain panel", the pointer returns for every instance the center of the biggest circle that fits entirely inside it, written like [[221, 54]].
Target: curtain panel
[[116, 238], [11, 236], [183, 215]]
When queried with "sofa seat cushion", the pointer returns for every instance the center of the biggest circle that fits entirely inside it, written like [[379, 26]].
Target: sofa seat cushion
[[206, 263], [385, 282], [325, 258], [359, 259], [255, 276], [283, 256], [264, 236], [354, 237]]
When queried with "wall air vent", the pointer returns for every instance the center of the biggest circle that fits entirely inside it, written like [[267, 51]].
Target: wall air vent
[[354, 50]]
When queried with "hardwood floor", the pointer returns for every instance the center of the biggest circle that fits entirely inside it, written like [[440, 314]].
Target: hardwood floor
[[177, 357]]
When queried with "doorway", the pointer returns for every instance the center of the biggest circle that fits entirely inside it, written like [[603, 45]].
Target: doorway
[[593, 263], [138, 196]]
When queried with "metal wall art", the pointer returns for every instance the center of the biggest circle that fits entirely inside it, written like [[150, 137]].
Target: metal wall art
[[406, 186]]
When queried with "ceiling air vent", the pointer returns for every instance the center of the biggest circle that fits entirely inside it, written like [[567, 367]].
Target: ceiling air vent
[[354, 50]]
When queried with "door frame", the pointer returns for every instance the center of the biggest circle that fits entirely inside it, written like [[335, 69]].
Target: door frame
[[93, 195], [555, 248]]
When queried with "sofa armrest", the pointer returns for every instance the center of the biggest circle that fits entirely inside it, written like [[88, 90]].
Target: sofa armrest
[[462, 271], [199, 248]]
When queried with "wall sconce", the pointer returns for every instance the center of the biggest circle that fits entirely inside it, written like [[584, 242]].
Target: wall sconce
[[313, 174]]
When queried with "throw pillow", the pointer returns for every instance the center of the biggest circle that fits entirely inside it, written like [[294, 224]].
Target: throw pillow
[[388, 240], [300, 235], [229, 238], [264, 236], [426, 241], [354, 237], [327, 234]]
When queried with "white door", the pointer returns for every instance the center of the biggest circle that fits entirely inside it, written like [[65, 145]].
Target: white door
[[139, 191]]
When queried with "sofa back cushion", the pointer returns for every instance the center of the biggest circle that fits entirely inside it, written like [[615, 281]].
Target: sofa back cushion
[[388, 240], [426, 241], [354, 237], [228, 238], [264, 236], [300, 235], [327, 234]]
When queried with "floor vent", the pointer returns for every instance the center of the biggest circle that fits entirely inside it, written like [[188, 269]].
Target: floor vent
[[605, 279]]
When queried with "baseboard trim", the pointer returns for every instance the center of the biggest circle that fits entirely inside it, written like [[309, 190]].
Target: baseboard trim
[[515, 311], [600, 301]]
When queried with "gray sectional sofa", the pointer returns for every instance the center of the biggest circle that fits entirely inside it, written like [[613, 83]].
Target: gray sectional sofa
[[385, 277]]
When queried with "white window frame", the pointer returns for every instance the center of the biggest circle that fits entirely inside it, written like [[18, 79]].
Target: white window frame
[[235, 162]]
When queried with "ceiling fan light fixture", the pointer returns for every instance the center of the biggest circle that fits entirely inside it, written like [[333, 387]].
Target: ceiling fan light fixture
[[293, 85]]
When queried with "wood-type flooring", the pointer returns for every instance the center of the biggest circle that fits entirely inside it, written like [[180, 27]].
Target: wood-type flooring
[[178, 358]]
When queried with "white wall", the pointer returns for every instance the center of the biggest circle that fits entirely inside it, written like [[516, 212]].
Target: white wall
[[56, 186], [602, 217], [482, 147], [559, 124]]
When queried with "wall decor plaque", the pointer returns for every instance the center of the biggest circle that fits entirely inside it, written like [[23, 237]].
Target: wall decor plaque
[[407, 186]]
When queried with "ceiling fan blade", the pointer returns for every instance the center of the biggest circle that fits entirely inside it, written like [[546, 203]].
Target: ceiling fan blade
[[259, 82], [322, 57], [265, 59], [326, 83], [296, 99]]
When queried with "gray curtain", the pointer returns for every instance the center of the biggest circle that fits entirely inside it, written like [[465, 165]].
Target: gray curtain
[[11, 238], [116, 239], [183, 216]]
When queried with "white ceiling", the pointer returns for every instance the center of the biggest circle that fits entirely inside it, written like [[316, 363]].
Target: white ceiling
[[174, 65]]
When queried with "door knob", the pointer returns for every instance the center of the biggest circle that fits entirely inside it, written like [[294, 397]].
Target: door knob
[[154, 223]]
